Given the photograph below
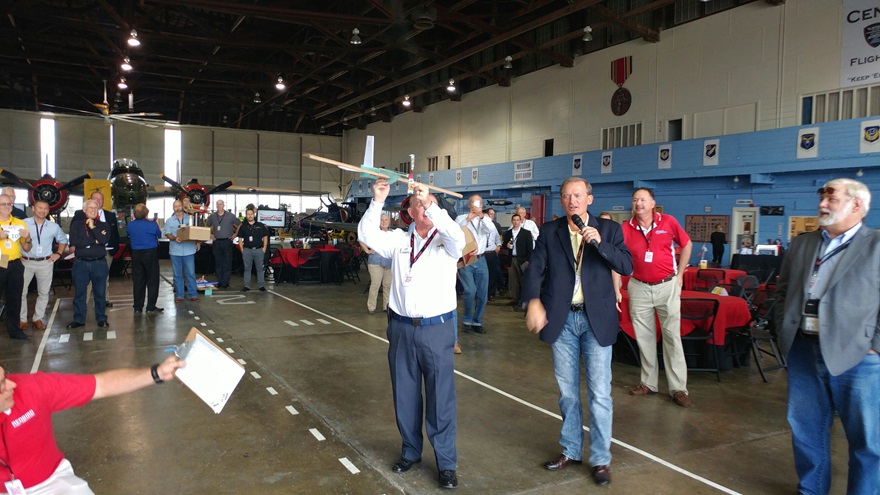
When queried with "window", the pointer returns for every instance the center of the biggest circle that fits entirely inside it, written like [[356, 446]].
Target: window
[[674, 130], [448, 162], [622, 136], [47, 147], [843, 104], [548, 147], [432, 163], [172, 153]]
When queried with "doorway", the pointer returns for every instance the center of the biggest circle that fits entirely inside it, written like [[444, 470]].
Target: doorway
[[744, 226]]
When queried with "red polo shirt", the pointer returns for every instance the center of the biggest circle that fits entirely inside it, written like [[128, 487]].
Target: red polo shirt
[[660, 241], [28, 445]]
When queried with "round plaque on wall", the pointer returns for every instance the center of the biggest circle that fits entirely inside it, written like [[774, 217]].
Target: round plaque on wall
[[621, 100]]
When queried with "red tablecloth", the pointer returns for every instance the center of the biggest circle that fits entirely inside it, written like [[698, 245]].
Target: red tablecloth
[[690, 276], [732, 312], [291, 256]]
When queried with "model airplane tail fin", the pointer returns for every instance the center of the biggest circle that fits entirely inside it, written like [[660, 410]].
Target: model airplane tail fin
[[368, 152]]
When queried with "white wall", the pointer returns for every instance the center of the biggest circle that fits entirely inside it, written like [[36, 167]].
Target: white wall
[[738, 71], [251, 158]]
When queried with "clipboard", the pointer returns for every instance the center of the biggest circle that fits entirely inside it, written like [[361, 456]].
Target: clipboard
[[210, 372]]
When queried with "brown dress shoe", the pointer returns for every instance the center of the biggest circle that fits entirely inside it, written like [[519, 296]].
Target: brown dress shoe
[[602, 475], [194, 299], [39, 325], [642, 389], [23, 325], [680, 397], [178, 299], [561, 463]]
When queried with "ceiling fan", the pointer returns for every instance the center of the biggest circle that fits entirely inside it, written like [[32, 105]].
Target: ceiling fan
[[104, 110]]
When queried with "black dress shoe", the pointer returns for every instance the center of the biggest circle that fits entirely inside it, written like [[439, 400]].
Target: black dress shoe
[[468, 329], [479, 329], [155, 310], [602, 475], [19, 336], [108, 304], [75, 324], [103, 324], [245, 289], [561, 463], [262, 289], [448, 479], [138, 311], [403, 464]]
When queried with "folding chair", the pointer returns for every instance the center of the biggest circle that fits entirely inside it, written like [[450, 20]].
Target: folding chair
[[702, 312], [750, 285], [309, 269], [707, 277], [761, 329]]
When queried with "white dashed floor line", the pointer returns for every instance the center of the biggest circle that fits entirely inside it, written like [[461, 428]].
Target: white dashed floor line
[[317, 434], [291, 323], [307, 322], [87, 336], [64, 338], [271, 390], [321, 320], [111, 334], [348, 465], [256, 375], [292, 410], [242, 362], [230, 350]]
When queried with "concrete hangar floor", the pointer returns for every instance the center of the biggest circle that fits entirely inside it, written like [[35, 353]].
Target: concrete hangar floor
[[313, 412]]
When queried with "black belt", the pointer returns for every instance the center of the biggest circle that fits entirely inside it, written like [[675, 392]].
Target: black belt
[[577, 307], [421, 322], [35, 259], [667, 279], [92, 259]]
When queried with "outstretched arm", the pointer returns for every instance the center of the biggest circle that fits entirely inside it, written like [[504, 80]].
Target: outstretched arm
[[123, 381]]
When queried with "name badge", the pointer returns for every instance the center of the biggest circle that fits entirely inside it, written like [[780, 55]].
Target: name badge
[[15, 487], [649, 256], [577, 282], [408, 279], [811, 324], [218, 228], [39, 249], [250, 238], [8, 244]]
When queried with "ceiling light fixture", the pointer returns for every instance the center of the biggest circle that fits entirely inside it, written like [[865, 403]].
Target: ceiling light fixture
[[406, 101], [280, 86], [257, 98], [323, 130], [507, 62], [588, 34], [355, 39], [451, 87], [704, 1], [126, 64], [134, 41], [122, 84], [373, 112]]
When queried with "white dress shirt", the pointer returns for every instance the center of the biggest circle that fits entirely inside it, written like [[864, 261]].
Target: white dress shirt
[[430, 290], [482, 228]]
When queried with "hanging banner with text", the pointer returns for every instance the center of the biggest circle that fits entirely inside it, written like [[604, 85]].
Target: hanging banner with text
[[860, 55]]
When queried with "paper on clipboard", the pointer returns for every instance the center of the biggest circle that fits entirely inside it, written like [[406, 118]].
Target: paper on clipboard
[[210, 373]]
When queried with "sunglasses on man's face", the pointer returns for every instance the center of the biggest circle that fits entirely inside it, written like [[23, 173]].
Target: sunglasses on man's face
[[822, 191]]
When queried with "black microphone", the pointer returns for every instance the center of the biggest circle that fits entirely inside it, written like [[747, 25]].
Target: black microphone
[[580, 225]]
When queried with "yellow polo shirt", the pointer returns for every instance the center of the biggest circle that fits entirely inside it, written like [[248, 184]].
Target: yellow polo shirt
[[7, 246]]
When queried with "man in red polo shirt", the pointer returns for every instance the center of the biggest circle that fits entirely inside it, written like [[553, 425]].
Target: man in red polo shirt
[[29, 456], [656, 285]]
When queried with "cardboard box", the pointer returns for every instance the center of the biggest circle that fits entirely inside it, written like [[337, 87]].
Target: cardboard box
[[4, 261], [194, 234]]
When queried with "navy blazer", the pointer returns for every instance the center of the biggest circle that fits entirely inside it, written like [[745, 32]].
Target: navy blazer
[[550, 276], [113, 241]]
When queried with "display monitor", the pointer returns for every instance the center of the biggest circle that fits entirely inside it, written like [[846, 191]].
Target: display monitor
[[771, 249], [272, 218]]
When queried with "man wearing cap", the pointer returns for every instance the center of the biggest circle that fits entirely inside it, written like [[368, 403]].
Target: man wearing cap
[[656, 285], [421, 325]]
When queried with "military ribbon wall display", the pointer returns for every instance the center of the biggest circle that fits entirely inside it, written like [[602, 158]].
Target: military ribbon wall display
[[870, 139], [664, 156], [860, 43], [607, 158], [808, 143], [621, 100]]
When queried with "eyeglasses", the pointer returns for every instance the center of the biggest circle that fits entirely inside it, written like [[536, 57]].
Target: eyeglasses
[[5, 204], [825, 190]]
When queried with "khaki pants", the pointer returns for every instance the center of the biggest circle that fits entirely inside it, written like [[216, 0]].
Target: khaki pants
[[378, 275], [665, 298], [42, 270]]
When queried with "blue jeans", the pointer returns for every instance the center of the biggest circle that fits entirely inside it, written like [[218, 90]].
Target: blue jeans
[[184, 266], [576, 340], [83, 273], [813, 396], [475, 282]]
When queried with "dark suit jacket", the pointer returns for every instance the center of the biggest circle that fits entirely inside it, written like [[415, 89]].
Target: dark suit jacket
[[849, 311], [113, 240], [550, 276], [524, 244]]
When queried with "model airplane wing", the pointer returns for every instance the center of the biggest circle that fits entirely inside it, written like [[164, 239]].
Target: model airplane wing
[[377, 172]]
